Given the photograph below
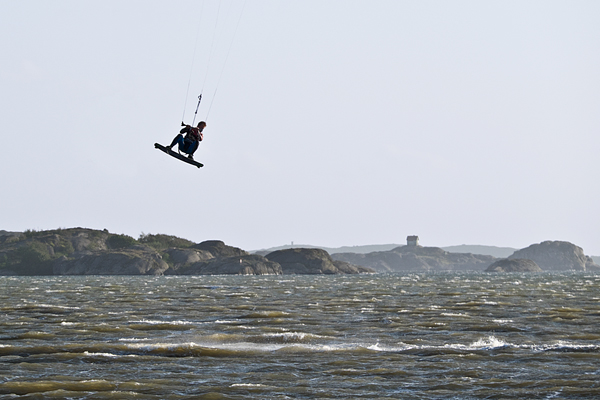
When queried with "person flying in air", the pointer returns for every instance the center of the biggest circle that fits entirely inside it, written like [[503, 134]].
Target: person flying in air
[[189, 143]]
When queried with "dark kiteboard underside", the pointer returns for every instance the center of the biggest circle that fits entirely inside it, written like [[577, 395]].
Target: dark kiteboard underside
[[177, 155]]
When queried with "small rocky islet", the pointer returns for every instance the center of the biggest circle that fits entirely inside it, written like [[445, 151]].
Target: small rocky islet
[[82, 251]]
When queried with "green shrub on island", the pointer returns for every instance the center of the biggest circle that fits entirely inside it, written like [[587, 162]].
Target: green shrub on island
[[63, 247], [117, 242], [162, 242], [32, 259], [30, 233]]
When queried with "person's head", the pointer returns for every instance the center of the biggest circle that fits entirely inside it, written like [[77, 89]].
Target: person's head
[[201, 124]]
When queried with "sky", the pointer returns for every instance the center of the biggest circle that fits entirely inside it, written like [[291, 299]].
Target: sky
[[329, 122]]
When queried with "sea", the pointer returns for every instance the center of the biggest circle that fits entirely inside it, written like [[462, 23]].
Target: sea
[[374, 336]]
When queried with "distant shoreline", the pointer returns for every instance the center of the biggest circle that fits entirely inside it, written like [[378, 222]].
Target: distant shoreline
[[499, 252]]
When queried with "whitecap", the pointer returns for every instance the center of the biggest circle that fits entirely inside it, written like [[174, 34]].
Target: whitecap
[[455, 315], [247, 385], [489, 343], [59, 307], [564, 345], [158, 322], [110, 355]]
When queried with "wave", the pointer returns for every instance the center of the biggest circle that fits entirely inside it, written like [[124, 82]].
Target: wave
[[235, 345]]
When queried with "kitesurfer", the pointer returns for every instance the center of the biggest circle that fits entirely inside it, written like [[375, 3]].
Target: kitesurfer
[[193, 137]]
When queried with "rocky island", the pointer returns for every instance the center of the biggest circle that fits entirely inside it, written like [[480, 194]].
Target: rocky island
[[545, 256], [557, 256], [418, 259], [79, 251]]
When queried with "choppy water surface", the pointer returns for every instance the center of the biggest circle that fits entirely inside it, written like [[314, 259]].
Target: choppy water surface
[[425, 336]]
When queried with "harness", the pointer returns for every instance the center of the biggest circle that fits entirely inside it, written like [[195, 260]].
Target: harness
[[194, 134]]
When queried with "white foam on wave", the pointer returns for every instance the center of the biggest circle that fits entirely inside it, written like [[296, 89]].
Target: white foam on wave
[[158, 322], [288, 335], [246, 327], [232, 346], [247, 347], [376, 347], [298, 343], [42, 305], [562, 345], [489, 343], [291, 336], [109, 355], [248, 385], [449, 314]]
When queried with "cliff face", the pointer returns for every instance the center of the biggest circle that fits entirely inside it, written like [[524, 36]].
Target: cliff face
[[80, 251], [35, 253], [417, 258], [312, 261], [557, 256], [514, 265], [139, 260], [235, 265]]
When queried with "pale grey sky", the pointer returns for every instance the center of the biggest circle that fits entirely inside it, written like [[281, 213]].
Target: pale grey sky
[[334, 122]]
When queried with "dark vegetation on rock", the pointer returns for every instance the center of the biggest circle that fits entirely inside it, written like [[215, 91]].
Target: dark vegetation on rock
[[162, 242], [312, 261], [79, 251], [219, 249], [237, 265]]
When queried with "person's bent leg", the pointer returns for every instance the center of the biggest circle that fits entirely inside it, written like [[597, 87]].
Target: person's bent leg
[[178, 140], [185, 146], [193, 147]]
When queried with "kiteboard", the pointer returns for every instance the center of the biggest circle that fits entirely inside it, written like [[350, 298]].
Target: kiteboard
[[177, 155]]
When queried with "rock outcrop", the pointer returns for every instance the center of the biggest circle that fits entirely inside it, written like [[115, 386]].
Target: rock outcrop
[[417, 258], [514, 265], [557, 256], [9, 237], [214, 257], [34, 253], [183, 257], [80, 251], [139, 260], [219, 249], [237, 265], [313, 261]]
